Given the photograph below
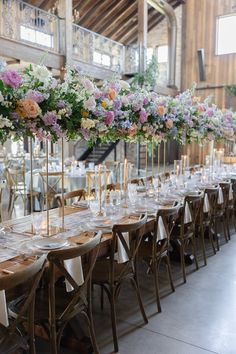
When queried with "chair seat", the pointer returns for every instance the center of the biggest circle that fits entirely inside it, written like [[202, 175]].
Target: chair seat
[[10, 343], [41, 309], [101, 271], [145, 249]]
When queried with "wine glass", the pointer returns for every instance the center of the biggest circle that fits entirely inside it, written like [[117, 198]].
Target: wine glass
[[94, 206], [37, 219]]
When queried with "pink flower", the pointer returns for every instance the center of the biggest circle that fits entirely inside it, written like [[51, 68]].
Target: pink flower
[[50, 118], [109, 117], [11, 78], [169, 123], [142, 116]]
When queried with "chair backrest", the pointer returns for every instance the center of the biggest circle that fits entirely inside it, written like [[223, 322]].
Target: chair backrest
[[78, 194], [195, 205], [233, 181], [29, 275], [119, 231], [54, 178], [212, 195], [169, 217], [138, 181], [225, 186], [14, 177], [56, 258]]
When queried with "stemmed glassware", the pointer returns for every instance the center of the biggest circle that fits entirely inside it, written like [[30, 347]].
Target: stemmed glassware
[[132, 193], [37, 220]]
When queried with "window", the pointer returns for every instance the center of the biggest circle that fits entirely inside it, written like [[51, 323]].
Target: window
[[225, 30], [102, 59], [162, 54], [149, 54], [38, 37]]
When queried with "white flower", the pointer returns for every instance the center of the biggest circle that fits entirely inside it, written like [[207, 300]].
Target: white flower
[[124, 85], [90, 104], [41, 73], [88, 85], [3, 65], [4, 122], [87, 123]]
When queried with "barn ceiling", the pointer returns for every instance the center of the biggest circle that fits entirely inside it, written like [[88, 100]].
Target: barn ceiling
[[115, 19]]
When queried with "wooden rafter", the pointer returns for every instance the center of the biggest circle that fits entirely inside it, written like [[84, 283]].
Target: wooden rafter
[[90, 19]]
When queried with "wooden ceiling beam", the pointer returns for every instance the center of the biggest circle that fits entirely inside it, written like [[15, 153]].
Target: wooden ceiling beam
[[94, 13], [132, 32], [117, 22], [130, 38], [84, 6], [126, 27], [113, 13]]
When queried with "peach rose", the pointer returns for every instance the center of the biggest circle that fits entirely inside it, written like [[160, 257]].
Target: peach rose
[[28, 108], [111, 94], [132, 130], [195, 99], [169, 123], [161, 110]]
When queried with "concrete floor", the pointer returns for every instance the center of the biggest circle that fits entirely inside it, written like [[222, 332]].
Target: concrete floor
[[199, 318]]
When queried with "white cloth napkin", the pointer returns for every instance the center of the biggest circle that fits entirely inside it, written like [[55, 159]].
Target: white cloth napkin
[[3, 309], [206, 206], [187, 214], [220, 196], [75, 269], [230, 192], [161, 231], [122, 255]]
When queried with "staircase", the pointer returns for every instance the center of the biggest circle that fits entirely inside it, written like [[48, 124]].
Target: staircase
[[99, 153]]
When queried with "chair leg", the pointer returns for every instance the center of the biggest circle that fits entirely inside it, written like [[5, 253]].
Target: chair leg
[[211, 239], [195, 251], [203, 245], [113, 318], [227, 224], [225, 230], [91, 324], [216, 235], [167, 260], [135, 284], [182, 261], [102, 297], [155, 267]]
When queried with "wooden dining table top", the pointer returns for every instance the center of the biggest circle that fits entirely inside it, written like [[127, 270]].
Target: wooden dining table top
[[23, 227]]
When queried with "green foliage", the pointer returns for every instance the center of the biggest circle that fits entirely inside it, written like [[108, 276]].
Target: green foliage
[[149, 76], [231, 90]]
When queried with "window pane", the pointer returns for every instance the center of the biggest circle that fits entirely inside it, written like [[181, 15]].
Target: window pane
[[162, 54], [226, 27]]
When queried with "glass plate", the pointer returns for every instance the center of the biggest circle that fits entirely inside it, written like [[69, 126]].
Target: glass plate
[[50, 244]]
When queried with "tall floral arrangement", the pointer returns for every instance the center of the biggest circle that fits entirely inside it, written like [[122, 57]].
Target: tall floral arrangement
[[33, 103]]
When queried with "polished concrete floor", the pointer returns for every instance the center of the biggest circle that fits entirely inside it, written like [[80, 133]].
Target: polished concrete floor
[[198, 318]]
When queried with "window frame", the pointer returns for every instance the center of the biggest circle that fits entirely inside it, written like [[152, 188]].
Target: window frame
[[232, 14]]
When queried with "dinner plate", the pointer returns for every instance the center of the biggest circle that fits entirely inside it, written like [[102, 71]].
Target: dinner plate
[[81, 204], [50, 244]]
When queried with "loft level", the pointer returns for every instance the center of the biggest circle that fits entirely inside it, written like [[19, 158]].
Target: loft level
[[26, 31]]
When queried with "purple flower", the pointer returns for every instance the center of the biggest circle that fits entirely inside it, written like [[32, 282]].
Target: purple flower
[[61, 104], [50, 118], [34, 95], [145, 101], [142, 116], [210, 112], [11, 78], [109, 117], [14, 115], [56, 128]]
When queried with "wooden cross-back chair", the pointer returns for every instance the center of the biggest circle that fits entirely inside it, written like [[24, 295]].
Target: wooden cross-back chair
[[18, 188], [154, 249], [51, 189], [78, 195], [185, 232], [14, 337], [109, 274]]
